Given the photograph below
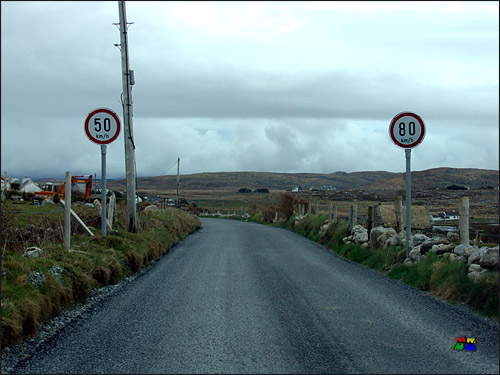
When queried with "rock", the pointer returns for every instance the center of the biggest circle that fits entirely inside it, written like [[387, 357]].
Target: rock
[[56, 271], [388, 233], [395, 241], [464, 250], [490, 259], [360, 234], [460, 258], [36, 278], [365, 245], [452, 236], [442, 248], [151, 208], [450, 256], [476, 255], [33, 252], [347, 239], [476, 276], [374, 234], [419, 239], [475, 268], [408, 262], [415, 254], [401, 255]]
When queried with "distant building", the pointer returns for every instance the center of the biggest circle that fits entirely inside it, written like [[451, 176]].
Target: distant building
[[446, 215], [297, 189]]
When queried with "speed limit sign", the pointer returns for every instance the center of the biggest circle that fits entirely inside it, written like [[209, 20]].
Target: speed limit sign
[[407, 130], [102, 126]]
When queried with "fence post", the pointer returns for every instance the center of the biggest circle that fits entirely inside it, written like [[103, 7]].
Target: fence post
[[335, 214], [354, 215], [398, 209], [67, 212], [330, 211], [463, 223], [370, 219]]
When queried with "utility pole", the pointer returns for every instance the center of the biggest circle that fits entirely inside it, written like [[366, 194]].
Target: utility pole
[[127, 119], [178, 167]]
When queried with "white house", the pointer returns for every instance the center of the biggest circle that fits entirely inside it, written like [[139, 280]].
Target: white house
[[446, 215]]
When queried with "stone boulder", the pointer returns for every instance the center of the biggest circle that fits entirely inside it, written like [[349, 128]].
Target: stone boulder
[[490, 259], [151, 208], [415, 254], [464, 250], [386, 235], [476, 275], [442, 248], [476, 256], [374, 234], [420, 238], [33, 252], [359, 234], [36, 278]]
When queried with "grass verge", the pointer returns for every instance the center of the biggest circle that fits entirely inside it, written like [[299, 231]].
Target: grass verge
[[443, 278], [68, 277]]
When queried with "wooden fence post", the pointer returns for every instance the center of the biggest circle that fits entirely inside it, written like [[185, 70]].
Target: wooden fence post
[[67, 212], [398, 209], [370, 219], [354, 215]]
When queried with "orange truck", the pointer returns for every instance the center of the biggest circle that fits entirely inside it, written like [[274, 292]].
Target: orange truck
[[74, 180]]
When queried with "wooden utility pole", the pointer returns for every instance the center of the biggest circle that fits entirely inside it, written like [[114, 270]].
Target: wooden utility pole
[[127, 119]]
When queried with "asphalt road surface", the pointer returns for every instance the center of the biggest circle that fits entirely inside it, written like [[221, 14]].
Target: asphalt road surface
[[246, 298]]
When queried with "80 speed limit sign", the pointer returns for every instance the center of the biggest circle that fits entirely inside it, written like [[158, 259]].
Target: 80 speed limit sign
[[407, 130]]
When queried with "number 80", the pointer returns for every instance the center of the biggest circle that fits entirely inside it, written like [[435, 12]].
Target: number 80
[[402, 128]]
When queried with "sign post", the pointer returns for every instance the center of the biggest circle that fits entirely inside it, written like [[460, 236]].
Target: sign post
[[102, 127], [407, 130]]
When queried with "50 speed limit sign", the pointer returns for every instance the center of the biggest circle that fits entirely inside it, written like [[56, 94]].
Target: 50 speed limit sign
[[102, 126], [407, 130]]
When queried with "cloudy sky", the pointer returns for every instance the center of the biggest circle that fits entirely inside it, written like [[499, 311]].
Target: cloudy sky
[[250, 86]]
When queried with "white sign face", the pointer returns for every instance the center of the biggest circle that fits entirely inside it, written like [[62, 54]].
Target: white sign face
[[407, 130], [102, 126]]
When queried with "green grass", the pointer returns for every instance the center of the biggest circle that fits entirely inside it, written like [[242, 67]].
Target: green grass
[[443, 278], [100, 261]]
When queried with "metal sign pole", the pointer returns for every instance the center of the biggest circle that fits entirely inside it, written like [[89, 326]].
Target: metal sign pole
[[103, 189], [408, 199]]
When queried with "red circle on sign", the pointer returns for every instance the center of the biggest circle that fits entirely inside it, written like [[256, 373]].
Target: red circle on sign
[[110, 113], [412, 143]]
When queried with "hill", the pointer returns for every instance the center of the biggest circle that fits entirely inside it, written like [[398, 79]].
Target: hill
[[436, 178]]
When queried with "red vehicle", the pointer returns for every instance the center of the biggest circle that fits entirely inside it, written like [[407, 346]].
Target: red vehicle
[[44, 194]]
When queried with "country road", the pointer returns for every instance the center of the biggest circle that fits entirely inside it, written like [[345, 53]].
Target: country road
[[240, 297]]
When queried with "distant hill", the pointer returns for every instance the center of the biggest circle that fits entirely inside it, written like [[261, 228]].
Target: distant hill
[[436, 178]]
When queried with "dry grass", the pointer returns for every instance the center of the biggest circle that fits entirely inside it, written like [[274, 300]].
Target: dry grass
[[101, 261]]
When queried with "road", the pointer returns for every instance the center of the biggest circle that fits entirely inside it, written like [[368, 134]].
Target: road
[[240, 297]]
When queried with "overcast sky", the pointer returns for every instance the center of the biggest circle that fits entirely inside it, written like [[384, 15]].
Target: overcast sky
[[250, 86]]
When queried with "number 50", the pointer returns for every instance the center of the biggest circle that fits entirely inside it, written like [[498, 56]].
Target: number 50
[[107, 124]]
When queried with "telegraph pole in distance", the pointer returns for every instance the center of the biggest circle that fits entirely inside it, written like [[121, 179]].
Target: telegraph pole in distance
[[178, 166], [127, 120]]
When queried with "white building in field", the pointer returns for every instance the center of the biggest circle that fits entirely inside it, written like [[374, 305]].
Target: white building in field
[[445, 216]]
